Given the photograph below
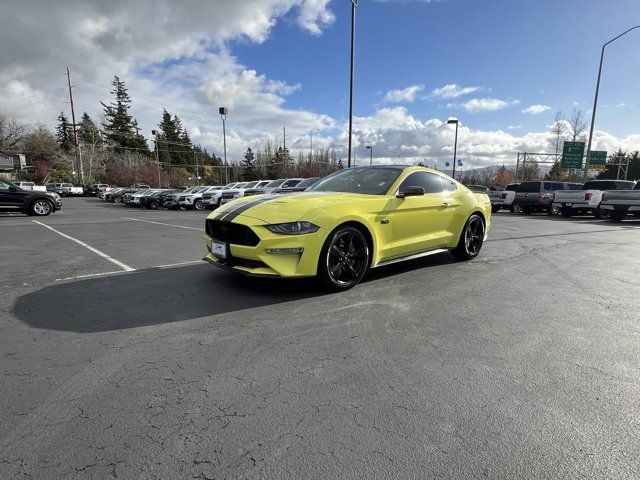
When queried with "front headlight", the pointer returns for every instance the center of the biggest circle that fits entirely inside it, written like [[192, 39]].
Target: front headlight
[[293, 228]]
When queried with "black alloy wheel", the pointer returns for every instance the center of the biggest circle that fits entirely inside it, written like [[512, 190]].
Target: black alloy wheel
[[344, 259], [471, 238]]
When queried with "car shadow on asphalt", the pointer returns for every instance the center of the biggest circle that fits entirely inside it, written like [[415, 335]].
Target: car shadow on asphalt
[[157, 296]]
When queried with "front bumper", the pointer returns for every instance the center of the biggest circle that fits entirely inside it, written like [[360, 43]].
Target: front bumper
[[255, 261]]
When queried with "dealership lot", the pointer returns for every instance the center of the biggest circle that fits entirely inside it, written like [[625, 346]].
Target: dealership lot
[[125, 356]]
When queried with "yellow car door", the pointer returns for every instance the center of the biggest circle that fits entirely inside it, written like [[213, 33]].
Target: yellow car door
[[419, 222]]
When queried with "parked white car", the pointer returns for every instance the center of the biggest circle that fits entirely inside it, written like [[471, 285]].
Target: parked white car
[[194, 199], [587, 201], [240, 192], [30, 186], [64, 189], [503, 198], [618, 203]]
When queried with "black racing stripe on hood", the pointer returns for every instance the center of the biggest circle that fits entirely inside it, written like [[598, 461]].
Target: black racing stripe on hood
[[230, 216]]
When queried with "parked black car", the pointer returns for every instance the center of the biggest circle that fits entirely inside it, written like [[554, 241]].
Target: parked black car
[[156, 199], [93, 190], [538, 196], [13, 198]]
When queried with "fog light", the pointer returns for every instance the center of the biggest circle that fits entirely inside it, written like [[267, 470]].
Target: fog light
[[284, 251]]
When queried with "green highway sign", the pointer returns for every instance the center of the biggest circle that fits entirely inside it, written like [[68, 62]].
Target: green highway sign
[[572, 153], [597, 160]]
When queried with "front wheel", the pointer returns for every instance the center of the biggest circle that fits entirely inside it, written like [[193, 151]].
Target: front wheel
[[344, 259], [198, 205], [552, 210], [152, 205], [515, 209], [471, 238], [41, 208]]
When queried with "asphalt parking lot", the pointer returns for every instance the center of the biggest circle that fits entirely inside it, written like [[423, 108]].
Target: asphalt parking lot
[[125, 356]]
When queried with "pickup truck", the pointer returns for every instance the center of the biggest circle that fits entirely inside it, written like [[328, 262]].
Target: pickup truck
[[504, 198], [30, 186], [619, 203], [14, 198], [64, 189], [537, 196], [587, 201]]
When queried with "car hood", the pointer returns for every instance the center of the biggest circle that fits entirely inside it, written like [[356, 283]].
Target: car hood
[[281, 208]]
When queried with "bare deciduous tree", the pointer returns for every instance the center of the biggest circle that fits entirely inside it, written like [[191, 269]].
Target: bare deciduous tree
[[558, 129], [12, 132], [577, 125]]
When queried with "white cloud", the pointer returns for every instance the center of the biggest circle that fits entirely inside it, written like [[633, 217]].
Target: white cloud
[[406, 95], [486, 104], [536, 109], [514, 127], [452, 90]]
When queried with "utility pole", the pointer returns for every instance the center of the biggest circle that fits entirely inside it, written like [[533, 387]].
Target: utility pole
[[75, 132], [284, 138], [156, 136], [354, 4], [223, 114], [195, 159]]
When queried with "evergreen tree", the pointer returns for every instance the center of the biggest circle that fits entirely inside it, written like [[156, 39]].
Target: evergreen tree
[[120, 129], [64, 133], [249, 166], [555, 173], [88, 131]]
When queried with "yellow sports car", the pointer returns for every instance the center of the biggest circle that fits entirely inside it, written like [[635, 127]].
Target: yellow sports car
[[348, 222]]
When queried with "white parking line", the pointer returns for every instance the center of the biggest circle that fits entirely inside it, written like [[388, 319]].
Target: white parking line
[[123, 266], [166, 224], [121, 272]]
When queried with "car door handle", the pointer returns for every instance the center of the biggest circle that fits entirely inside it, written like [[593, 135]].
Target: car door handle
[[444, 204]]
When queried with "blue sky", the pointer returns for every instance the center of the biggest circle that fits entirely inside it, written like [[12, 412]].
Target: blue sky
[[491, 63], [538, 52]]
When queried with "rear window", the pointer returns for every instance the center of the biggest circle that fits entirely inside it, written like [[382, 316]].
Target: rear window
[[623, 185], [573, 186], [528, 187], [553, 186], [637, 187], [599, 185], [512, 188]]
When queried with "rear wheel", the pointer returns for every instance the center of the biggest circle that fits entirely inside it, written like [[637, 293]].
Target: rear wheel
[[471, 239], [344, 259], [515, 209], [152, 204], [41, 208], [552, 210]]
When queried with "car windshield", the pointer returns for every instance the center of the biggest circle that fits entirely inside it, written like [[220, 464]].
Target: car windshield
[[276, 183], [240, 185], [250, 185], [307, 182], [363, 180]]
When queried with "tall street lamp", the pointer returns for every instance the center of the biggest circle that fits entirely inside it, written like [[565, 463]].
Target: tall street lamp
[[455, 144], [223, 115], [354, 4], [595, 100], [156, 135], [311, 140], [370, 148]]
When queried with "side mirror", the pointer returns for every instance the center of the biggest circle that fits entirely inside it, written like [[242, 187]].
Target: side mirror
[[13, 188], [411, 192]]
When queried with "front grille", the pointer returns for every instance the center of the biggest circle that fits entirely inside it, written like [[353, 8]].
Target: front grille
[[231, 233], [242, 262]]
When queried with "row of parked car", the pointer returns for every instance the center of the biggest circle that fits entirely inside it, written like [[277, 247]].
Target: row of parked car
[[201, 197], [613, 199]]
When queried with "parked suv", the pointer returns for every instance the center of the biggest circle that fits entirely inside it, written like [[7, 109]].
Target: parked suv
[[13, 198], [537, 196]]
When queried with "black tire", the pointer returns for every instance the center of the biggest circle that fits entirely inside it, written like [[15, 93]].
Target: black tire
[[515, 209], [344, 259], [495, 208], [552, 210], [152, 205], [565, 212], [471, 238], [41, 207], [198, 205], [599, 213], [617, 216]]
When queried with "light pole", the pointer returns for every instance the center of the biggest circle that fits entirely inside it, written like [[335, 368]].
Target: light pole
[[370, 148], [311, 141], [354, 5], [455, 144], [156, 136], [595, 101], [223, 115]]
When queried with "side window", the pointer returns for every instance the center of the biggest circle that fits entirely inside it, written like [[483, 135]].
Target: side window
[[291, 183], [429, 181], [4, 185], [448, 185]]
